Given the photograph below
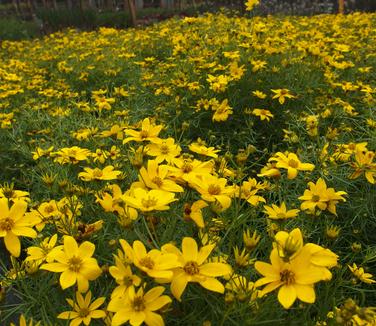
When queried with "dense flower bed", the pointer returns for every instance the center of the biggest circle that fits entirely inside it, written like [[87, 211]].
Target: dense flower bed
[[208, 170]]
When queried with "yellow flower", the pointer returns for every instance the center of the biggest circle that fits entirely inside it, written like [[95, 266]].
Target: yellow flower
[[71, 155], [361, 275], [242, 288], [83, 310], [75, 264], [23, 322], [203, 150], [108, 173], [123, 276], [194, 269], [163, 150], [321, 197], [137, 307], [155, 263], [14, 224], [250, 4], [288, 244], [187, 169], [242, 258], [363, 164], [221, 111], [280, 212], [156, 177], [282, 94], [149, 200], [45, 250], [295, 279], [193, 212], [262, 114], [148, 132], [259, 94], [250, 242], [291, 163], [213, 189]]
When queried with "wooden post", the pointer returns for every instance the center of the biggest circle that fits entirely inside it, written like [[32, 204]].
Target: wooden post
[[341, 6], [132, 11]]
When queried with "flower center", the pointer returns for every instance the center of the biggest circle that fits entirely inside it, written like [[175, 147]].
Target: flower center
[[214, 189], [164, 149], [293, 163], [315, 198], [147, 262], [144, 134], [191, 268], [158, 181], [49, 209], [281, 215], [186, 168], [149, 202], [288, 277], [84, 312], [138, 304], [127, 281], [74, 264], [97, 173], [6, 224]]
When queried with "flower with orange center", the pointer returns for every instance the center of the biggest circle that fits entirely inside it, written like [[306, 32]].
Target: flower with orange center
[[148, 132], [149, 200], [194, 268], [291, 163], [164, 150], [14, 223], [282, 94], [213, 189], [263, 114], [108, 173], [75, 264], [280, 212]]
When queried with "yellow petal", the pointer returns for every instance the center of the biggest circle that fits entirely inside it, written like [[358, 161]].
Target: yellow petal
[[215, 269], [287, 296], [178, 285], [67, 279], [213, 284], [189, 248], [305, 293], [13, 244]]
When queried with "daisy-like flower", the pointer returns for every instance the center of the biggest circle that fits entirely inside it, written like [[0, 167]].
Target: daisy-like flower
[[291, 163], [45, 251], [295, 279], [201, 149], [139, 307], [156, 177], [14, 224], [259, 94], [214, 189], [83, 310], [149, 200], [360, 274], [280, 212], [250, 4], [164, 150], [263, 114], [108, 173], [318, 195], [155, 263], [148, 132], [187, 169], [124, 277], [194, 212], [194, 268], [364, 164], [71, 155], [24, 322], [75, 264], [282, 94]]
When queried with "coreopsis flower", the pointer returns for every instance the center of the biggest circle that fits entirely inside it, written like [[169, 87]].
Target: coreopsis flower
[[321, 197], [14, 224], [103, 103], [83, 310], [282, 94], [40, 152], [194, 212], [193, 267], [248, 191], [155, 263], [71, 155], [221, 111], [200, 148], [148, 132], [149, 200], [24, 322], [156, 177], [213, 189], [45, 251], [287, 244], [295, 279], [7, 191], [250, 4], [139, 307], [291, 163], [270, 171], [218, 83], [75, 263], [187, 169], [108, 173], [364, 164], [262, 114], [163, 150], [243, 289], [115, 131], [124, 277], [259, 94], [360, 274], [280, 212], [242, 258]]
